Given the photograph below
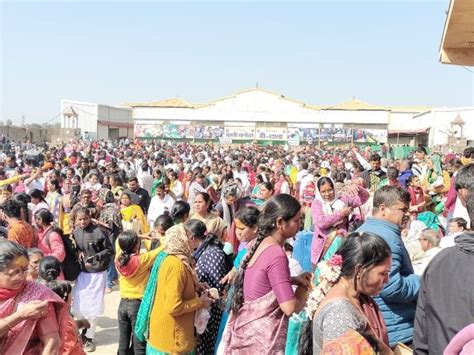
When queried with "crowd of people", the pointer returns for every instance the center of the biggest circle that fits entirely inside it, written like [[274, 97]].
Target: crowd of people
[[236, 250]]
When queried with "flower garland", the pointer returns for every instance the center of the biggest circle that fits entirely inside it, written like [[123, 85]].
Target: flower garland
[[329, 273]]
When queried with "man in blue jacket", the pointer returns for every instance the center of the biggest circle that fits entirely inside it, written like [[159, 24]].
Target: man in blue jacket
[[397, 300]]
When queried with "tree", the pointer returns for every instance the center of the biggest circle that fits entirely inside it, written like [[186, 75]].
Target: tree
[[9, 123]]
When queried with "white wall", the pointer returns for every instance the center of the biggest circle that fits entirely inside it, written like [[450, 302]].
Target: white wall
[[86, 115], [115, 114], [439, 121]]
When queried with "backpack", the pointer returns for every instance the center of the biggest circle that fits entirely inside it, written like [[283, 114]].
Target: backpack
[[70, 265]]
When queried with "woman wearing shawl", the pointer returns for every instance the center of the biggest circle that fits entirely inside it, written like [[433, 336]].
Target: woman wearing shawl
[[229, 205], [417, 196], [434, 183], [111, 223], [170, 300], [331, 213], [282, 186], [28, 310], [263, 297], [132, 215], [54, 199], [69, 194]]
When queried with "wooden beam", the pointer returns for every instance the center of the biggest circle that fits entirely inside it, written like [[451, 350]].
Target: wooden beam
[[459, 56]]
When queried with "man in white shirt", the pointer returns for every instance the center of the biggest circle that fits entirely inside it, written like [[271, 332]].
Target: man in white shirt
[[457, 225], [35, 181], [241, 174], [160, 203], [429, 241], [145, 179]]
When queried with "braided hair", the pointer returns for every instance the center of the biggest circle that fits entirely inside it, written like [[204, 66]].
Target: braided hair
[[280, 206]]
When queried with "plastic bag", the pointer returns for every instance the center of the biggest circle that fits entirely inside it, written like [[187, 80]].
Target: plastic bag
[[201, 319]]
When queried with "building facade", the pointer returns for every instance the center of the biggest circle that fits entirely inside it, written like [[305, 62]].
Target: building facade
[[97, 121]]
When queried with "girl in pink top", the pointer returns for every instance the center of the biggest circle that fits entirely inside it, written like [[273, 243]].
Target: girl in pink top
[[263, 298], [49, 240]]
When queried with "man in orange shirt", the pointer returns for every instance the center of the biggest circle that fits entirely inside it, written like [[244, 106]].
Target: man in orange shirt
[[19, 231]]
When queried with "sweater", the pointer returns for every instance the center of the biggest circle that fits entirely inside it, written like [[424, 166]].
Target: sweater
[[445, 305], [397, 300], [172, 314], [133, 281]]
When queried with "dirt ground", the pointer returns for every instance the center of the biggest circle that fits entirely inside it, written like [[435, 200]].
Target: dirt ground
[[106, 338]]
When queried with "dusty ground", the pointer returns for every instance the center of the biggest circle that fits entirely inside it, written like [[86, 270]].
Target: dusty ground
[[106, 338]]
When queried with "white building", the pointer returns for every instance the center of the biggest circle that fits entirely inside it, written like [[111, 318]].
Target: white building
[[262, 115], [97, 121], [444, 125]]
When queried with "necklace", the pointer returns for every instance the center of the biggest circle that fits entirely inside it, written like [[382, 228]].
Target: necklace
[[358, 306]]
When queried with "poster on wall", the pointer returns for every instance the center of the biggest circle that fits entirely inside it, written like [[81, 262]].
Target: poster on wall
[[239, 132], [208, 132], [370, 135], [178, 131], [271, 133], [148, 130], [336, 135]]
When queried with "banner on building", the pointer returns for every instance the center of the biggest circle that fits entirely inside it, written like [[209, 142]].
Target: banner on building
[[145, 130], [370, 135], [239, 132], [271, 133]]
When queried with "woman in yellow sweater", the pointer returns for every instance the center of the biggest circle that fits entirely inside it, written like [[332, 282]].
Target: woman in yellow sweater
[[171, 300], [133, 269]]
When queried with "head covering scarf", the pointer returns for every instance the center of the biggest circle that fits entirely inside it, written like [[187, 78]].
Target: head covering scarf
[[229, 189], [327, 205], [105, 195]]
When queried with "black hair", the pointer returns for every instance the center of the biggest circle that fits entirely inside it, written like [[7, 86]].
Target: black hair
[[49, 268], [165, 221], [341, 176], [269, 186], [179, 210], [392, 173], [55, 183], [133, 178], [207, 199], [248, 215], [461, 222], [360, 252], [127, 241], [259, 177], [35, 193], [161, 186], [410, 179], [421, 149], [45, 216], [375, 157], [288, 247], [9, 251], [197, 228], [12, 208], [465, 178], [390, 195], [279, 206], [62, 288]]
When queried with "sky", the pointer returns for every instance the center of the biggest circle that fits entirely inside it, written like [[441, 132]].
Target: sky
[[321, 52]]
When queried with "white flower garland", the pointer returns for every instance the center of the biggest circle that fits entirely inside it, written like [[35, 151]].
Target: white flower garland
[[329, 273]]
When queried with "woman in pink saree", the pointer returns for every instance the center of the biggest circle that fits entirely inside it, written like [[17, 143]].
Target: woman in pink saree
[[264, 298], [28, 311]]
